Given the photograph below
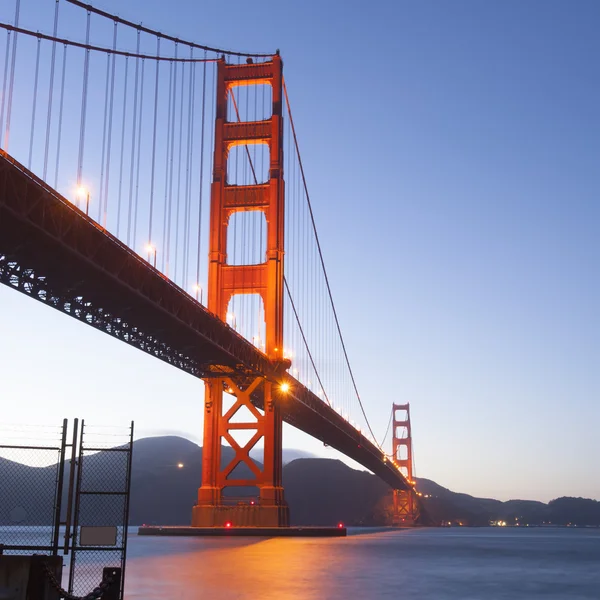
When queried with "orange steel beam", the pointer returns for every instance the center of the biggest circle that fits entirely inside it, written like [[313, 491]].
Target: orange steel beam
[[225, 281]]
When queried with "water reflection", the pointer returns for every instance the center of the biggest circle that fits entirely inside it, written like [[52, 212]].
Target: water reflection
[[434, 564]]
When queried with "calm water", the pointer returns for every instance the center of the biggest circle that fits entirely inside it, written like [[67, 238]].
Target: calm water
[[429, 564]]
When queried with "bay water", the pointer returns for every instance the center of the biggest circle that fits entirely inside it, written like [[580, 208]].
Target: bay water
[[429, 564]]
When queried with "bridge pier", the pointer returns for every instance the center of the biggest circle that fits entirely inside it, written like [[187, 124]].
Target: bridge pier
[[406, 509], [270, 508]]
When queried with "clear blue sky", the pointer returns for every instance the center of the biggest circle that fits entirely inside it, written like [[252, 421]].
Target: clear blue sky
[[453, 155]]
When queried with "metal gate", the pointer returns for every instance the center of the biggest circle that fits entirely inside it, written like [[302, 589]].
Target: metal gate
[[31, 494], [101, 514]]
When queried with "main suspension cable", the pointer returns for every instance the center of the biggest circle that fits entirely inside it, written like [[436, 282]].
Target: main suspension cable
[[90, 47], [153, 32], [312, 218]]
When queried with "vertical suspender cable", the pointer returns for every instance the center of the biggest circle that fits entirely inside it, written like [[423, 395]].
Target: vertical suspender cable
[[4, 78], [172, 154], [12, 78], [103, 151], [86, 68], [110, 120], [139, 152], [202, 122], [50, 90], [153, 167], [35, 87], [133, 131], [190, 148], [179, 160], [122, 145], [167, 149], [60, 115]]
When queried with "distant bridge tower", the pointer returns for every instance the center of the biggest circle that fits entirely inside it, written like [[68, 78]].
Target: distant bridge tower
[[406, 506], [225, 281]]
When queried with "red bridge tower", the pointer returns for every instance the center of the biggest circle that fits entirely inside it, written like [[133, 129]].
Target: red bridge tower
[[406, 506], [226, 280]]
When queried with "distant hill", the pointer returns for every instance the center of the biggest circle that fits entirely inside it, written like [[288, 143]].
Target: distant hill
[[319, 492], [289, 454], [444, 505]]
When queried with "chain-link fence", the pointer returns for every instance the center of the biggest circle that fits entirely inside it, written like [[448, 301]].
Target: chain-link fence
[[32, 460], [101, 505], [41, 489]]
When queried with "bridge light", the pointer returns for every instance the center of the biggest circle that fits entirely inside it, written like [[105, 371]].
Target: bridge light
[[151, 249], [83, 193], [198, 288], [228, 524], [284, 387], [340, 525], [180, 465]]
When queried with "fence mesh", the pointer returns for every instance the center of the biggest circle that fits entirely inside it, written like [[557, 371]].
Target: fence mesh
[[30, 459], [101, 504]]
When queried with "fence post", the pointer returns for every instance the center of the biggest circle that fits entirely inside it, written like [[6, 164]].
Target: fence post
[[113, 592]]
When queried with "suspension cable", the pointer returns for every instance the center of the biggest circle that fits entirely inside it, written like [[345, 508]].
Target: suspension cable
[[35, 95], [103, 49], [139, 27], [202, 124], [154, 144], [284, 279], [133, 141], [387, 431], [110, 127], [312, 218], [8, 33], [12, 78], [60, 115], [86, 68], [122, 146], [50, 91], [305, 341]]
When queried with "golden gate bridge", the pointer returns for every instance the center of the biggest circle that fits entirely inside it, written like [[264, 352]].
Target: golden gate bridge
[[127, 157]]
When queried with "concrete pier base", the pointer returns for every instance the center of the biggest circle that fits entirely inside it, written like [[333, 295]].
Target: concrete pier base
[[244, 515], [174, 531]]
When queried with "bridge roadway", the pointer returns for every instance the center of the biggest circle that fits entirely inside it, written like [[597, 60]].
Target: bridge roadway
[[51, 251]]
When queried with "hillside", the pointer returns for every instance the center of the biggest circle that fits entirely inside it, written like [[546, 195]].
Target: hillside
[[319, 492]]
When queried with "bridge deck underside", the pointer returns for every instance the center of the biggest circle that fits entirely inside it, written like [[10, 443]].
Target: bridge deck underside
[[54, 253]]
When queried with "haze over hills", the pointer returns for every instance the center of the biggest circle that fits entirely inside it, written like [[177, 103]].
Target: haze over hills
[[319, 491]]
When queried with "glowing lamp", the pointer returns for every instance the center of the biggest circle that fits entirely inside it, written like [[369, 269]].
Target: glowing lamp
[[340, 525], [284, 387], [228, 524], [82, 192]]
